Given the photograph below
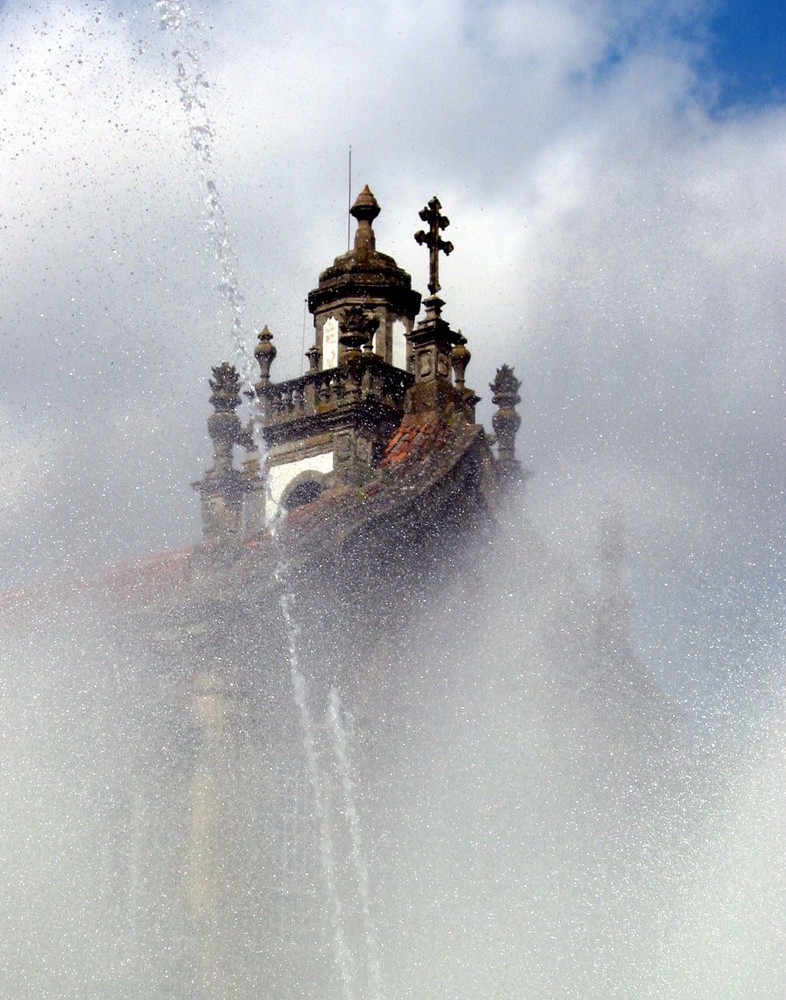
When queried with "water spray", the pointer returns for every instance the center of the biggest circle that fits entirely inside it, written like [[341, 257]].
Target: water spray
[[341, 753], [191, 80]]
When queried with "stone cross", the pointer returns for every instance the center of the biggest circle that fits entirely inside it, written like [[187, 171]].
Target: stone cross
[[430, 214]]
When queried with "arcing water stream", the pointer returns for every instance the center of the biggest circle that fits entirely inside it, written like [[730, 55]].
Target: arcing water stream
[[193, 85], [344, 957], [175, 16], [342, 756]]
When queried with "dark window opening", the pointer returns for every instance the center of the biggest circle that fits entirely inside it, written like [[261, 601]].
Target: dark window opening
[[302, 494]]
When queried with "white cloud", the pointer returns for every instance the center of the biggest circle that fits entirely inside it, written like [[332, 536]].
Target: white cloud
[[569, 35]]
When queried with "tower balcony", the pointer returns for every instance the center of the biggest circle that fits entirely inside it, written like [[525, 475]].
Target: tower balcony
[[364, 391]]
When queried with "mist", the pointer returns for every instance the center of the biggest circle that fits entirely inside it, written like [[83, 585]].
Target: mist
[[534, 819], [533, 814]]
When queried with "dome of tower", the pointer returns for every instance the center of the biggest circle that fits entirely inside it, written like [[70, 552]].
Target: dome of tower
[[363, 273]]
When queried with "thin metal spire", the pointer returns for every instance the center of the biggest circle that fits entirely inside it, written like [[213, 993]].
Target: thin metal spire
[[303, 343], [349, 194]]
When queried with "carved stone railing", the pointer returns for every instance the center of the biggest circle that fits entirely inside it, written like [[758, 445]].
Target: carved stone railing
[[366, 378]]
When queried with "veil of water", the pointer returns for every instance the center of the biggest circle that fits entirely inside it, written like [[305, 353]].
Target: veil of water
[[192, 83], [500, 805], [342, 755], [513, 829]]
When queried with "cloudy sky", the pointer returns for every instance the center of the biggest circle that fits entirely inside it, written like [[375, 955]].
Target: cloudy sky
[[615, 176]]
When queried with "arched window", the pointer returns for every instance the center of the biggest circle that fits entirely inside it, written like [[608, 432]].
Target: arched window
[[301, 493]]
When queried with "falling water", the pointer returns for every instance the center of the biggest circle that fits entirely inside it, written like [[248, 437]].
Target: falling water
[[344, 956], [341, 753], [192, 83], [191, 79]]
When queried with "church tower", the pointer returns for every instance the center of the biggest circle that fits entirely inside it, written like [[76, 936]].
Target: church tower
[[329, 428], [376, 458], [368, 279], [383, 392]]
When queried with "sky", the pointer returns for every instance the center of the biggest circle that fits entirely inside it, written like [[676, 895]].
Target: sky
[[746, 50], [615, 176]]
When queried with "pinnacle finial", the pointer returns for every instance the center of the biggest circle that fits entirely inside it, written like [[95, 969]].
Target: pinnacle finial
[[314, 356], [265, 353], [225, 384], [224, 424], [365, 210], [506, 421], [220, 487], [459, 359]]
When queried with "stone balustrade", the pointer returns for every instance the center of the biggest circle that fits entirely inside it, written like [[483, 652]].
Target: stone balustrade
[[365, 378]]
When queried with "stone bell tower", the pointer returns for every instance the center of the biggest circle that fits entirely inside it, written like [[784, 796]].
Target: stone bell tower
[[329, 427], [381, 392], [364, 278]]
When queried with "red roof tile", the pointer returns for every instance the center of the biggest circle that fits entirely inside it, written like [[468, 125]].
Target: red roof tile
[[414, 441]]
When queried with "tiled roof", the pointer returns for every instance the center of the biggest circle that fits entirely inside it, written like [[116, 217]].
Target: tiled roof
[[150, 576], [412, 442], [142, 579]]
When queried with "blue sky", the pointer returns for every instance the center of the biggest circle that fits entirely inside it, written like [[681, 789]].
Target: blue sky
[[748, 47]]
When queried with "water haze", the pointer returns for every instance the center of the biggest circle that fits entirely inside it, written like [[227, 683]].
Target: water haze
[[532, 814], [521, 808]]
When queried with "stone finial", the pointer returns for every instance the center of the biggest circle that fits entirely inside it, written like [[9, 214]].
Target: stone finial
[[459, 359], [221, 488], [225, 384], [365, 210], [314, 356], [506, 421], [224, 425], [265, 353]]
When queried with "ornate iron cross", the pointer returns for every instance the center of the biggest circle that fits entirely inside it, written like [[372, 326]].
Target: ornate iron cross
[[430, 214]]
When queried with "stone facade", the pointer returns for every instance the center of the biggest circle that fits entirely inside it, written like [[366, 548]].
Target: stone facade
[[261, 687]]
